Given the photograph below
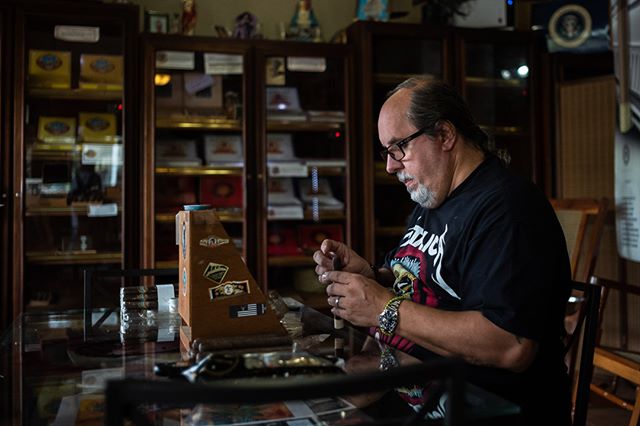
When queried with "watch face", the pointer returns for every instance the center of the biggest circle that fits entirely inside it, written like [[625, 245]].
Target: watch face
[[388, 319]]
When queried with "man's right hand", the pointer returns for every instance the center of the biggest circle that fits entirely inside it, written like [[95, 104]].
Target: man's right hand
[[350, 260]]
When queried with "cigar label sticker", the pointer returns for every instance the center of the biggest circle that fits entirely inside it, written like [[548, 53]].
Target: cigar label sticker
[[184, 281], [229, 289], [184, 240], [213, 241], [215, 272], [248, 310]]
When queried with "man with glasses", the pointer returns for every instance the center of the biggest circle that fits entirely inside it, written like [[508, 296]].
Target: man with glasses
[[482, 272]]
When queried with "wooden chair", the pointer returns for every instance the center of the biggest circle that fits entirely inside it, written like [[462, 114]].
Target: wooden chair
[[584, 336], [582, 222], [619, 361]]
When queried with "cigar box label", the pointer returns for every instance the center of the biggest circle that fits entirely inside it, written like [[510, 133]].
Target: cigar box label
[[248, 310], [212, 241], [229, 289], [215, 272], [184, 281]]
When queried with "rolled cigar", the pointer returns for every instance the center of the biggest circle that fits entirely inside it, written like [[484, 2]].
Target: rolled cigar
[[338, 323]]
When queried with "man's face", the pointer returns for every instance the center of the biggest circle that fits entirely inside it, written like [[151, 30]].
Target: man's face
[[424, 169]]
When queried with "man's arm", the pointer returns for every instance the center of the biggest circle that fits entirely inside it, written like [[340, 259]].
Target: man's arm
[[465, 334]]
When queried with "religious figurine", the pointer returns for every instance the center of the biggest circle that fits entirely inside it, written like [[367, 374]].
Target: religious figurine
[[188, 17], [304, 25], [246, 26]]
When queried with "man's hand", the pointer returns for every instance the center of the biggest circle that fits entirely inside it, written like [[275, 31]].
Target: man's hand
[[355, 298], [350, 260]]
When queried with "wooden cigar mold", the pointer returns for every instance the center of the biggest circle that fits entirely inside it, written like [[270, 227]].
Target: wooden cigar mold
[[218, 297]]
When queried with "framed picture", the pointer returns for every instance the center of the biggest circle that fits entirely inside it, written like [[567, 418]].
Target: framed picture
[[157, 22], [373, 10]]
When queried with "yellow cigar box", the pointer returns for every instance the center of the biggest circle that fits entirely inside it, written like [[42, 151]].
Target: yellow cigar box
[[97, 127], [101, 72], [49, 69], [57, 129]]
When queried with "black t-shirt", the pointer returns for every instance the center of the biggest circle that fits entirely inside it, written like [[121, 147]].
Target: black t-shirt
[[494, 246]]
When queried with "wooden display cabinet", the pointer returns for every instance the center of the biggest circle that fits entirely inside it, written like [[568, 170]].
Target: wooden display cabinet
[[305, 153], [482, 64], [72, 151], [387, 55], [195, 137], [268, 129]]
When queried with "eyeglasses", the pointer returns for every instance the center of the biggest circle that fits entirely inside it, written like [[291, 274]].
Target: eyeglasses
[[396, 150]]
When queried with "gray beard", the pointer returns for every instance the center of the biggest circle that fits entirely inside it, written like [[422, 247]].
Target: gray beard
[[421, 195]]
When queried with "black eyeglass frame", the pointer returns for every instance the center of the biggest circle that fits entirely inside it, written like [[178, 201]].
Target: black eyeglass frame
[[400, 144]]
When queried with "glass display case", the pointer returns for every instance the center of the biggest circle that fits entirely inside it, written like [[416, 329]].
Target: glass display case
[[388, 55], [241, 126], [495, 70], [73, 103], [304, 152], [496, 77], [195, 137]]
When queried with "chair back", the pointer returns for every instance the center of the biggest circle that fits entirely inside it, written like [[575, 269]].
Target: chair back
[[587, 296], [582, 222]]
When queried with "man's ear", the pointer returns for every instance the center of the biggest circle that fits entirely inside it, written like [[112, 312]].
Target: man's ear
[[447, 134]]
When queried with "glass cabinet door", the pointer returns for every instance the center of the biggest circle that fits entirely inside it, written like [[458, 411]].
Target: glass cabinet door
[[69, 150], [496, 82], [389, 54], [304, 154], [195, 142]]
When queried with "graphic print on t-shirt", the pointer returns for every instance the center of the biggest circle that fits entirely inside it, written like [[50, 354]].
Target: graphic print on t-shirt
[[433, 246]]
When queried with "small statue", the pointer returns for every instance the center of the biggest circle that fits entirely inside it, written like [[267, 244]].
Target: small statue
[[189, 16], [246, 26], [304, 25]]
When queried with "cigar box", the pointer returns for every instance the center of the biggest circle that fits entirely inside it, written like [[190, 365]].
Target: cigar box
[[101, 72], [218, 297], [49, 69], [97, 127], [57, 129]]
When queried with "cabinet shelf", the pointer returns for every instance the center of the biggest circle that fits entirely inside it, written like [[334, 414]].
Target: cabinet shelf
[[75, 94], [60, 211], [74, 258], [290, 261], [166, 264], [393, 79], [199, 171], [302, 126], [490, 82], [223, 216], [503, 130], [198, 122]]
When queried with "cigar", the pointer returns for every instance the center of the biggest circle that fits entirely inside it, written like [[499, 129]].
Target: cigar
[[338, 323]]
